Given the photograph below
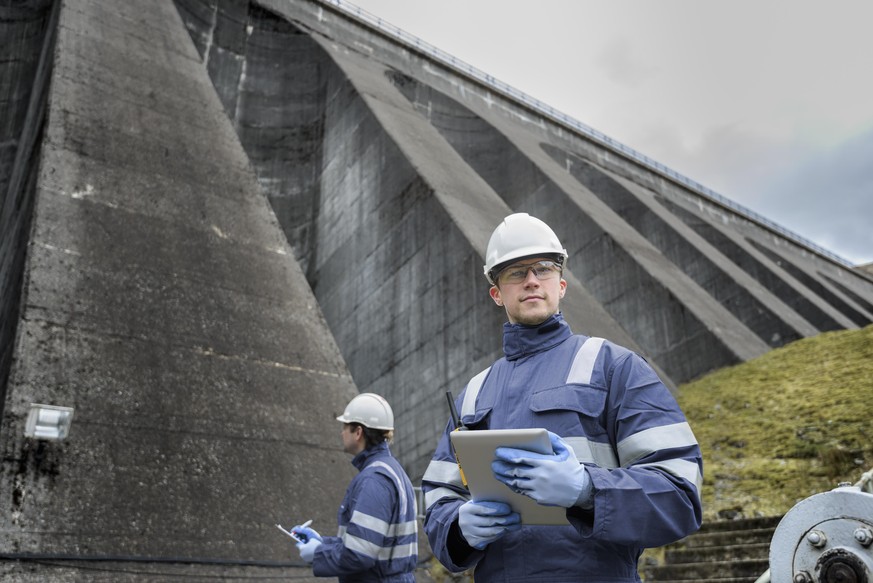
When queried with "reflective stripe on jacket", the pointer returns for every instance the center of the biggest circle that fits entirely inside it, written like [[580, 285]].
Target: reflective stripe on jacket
[[377, 538], [621, 421]]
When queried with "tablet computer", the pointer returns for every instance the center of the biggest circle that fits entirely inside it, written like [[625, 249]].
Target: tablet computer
[[475, 451]]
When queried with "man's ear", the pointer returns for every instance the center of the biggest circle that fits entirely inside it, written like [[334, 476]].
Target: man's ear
[[563, 287], [495, 295]]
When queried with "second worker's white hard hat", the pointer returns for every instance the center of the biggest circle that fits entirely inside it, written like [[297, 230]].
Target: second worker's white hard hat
[[370, 410], [518, 236]]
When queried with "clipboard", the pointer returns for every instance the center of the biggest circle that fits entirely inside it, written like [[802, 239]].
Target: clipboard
[[475, 452]]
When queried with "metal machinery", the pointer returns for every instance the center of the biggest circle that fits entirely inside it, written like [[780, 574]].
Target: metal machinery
[[826, 538]]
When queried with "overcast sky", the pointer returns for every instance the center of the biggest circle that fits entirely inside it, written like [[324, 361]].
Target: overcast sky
[[767, 102]]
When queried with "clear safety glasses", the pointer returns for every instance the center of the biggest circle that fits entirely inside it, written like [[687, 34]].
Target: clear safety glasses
[[542, 270]]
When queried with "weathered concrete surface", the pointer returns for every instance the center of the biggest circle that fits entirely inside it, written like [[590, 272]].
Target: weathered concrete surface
[[28, 32], [388, 171], [162, 301], [392, 256]]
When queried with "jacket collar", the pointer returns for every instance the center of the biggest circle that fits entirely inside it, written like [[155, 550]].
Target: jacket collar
[[361, 460], [520, 340]]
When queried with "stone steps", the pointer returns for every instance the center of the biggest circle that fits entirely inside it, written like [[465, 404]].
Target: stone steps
[[728, 551]]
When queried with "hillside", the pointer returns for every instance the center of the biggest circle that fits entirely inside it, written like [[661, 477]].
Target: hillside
[[784, 426]]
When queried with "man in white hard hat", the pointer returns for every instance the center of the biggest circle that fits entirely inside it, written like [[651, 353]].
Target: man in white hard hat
[[378, 528], [625, 464]]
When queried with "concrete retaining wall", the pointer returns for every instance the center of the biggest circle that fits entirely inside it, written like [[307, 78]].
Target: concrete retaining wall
[[163, 302]]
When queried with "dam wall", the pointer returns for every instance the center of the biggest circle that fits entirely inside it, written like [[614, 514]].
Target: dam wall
[[160, 299], [221, 219], [388, 168]]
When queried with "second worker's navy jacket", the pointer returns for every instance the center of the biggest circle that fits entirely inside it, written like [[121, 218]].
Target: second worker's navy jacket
[[378, 531], [623, 424]]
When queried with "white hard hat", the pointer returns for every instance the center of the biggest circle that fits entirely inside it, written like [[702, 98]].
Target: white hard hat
[[370, 410], [518, 236]]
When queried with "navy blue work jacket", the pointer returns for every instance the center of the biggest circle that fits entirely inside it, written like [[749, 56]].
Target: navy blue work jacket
[[623, 424], [377, 539]]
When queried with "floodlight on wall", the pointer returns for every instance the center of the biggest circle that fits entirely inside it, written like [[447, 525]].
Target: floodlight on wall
[[48, 422]]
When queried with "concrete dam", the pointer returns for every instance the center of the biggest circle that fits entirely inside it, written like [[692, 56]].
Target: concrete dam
[[221, 219]]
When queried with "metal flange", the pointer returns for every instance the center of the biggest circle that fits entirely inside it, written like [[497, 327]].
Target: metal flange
[[825, 539]]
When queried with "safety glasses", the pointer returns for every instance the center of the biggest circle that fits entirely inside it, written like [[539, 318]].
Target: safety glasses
[[542, 270]]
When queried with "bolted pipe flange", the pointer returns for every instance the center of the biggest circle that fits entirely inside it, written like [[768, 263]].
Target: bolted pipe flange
[[833, 521]]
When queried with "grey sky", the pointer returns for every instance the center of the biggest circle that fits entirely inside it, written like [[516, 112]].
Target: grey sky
[[767, 102]]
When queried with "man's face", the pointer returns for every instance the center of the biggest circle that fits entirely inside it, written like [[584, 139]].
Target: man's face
[[532, 300], [352, 437]]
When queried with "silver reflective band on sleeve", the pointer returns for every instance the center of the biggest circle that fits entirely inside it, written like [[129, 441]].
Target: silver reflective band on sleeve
[[401, 491], [593, 452], [377, 552], [468, 407], [384, 528], [437, 494], [440, 472], [682, 469], [583, 363], [647, 441]]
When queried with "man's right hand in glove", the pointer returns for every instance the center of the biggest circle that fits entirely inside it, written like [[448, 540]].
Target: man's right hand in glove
[[307, 549], [310, 540], [305, 534], [484, 522]]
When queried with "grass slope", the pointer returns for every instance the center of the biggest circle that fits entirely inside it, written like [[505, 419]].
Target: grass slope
[[791, 423]]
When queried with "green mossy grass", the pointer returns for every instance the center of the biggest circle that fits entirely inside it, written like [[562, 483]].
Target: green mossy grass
[[789, 424], [782, 427]]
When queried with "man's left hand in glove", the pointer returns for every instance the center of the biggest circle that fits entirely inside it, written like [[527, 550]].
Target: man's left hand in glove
[[551, 480]]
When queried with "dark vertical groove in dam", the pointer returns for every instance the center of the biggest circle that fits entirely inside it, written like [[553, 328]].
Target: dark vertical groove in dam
[[860, 301], [28, 30], [819, 287], [703, 270], [763, 274]]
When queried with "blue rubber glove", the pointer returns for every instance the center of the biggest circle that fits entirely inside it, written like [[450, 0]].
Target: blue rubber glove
[[484, 522], [551, 480], [307, 549], [306, 533]]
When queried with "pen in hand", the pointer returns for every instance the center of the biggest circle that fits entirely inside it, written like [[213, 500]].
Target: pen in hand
[[299, 534]]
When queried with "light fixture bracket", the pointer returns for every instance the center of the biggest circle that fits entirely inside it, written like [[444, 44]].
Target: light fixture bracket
[[50, 422]]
